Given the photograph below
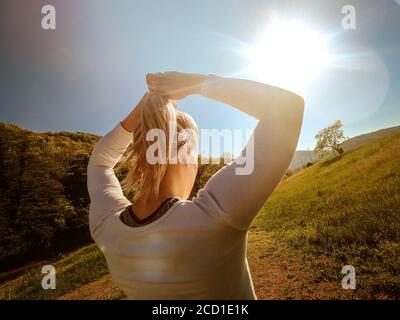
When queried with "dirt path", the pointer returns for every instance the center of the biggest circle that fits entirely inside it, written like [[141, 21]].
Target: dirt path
[[13, 273], [278, 275], [102, 289]]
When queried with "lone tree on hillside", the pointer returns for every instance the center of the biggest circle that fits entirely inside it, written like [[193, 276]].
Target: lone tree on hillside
[[330, 138]]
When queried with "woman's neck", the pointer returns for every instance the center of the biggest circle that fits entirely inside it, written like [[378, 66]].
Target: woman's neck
[[175, 184]]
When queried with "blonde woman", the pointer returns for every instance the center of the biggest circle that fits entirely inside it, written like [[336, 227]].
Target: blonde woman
[[161, 245]]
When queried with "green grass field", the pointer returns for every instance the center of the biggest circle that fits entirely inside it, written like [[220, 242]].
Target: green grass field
[[342, 211], [347, 210]]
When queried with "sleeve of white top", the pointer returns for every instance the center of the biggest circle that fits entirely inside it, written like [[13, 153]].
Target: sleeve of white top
[[105, 191], [237, 198]]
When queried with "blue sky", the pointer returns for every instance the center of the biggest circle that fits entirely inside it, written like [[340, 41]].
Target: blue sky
[[88, 73]]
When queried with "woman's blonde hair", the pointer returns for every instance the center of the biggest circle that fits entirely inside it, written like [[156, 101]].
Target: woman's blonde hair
[[157, 113]]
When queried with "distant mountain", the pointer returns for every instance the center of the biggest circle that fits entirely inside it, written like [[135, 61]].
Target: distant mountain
[[302, 157]]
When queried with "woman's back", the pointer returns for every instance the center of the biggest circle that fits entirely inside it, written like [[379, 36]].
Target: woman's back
[[186, 253], [197, 249]]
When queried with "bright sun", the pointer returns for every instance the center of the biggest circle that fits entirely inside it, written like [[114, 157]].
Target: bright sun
[[289, 54]]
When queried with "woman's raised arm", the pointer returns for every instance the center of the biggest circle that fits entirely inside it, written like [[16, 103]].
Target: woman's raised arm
[[239, 190]]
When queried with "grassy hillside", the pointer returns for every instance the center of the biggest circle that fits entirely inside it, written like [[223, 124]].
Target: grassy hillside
[[360, 140], [347, 211], [303, 157], [73, 271], [338, 212]]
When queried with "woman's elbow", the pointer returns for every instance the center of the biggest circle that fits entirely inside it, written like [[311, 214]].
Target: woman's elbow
[[296, 110], [298, 103]]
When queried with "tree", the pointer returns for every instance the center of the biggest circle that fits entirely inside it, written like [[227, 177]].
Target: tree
[[43, 196], [330, 138]]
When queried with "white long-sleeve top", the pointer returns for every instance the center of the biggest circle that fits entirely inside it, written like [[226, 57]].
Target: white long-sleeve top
[[197, 249]]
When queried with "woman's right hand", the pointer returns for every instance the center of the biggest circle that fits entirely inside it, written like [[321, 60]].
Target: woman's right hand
[[174, 85]]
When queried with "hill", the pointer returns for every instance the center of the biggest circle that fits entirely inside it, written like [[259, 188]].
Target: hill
[[341, 211], [360, 140], [43, 196], [302, 157]]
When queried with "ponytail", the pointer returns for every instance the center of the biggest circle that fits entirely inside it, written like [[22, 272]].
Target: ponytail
[[157, 113]]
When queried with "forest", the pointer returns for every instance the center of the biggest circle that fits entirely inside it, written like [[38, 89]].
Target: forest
[[44, 200]]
